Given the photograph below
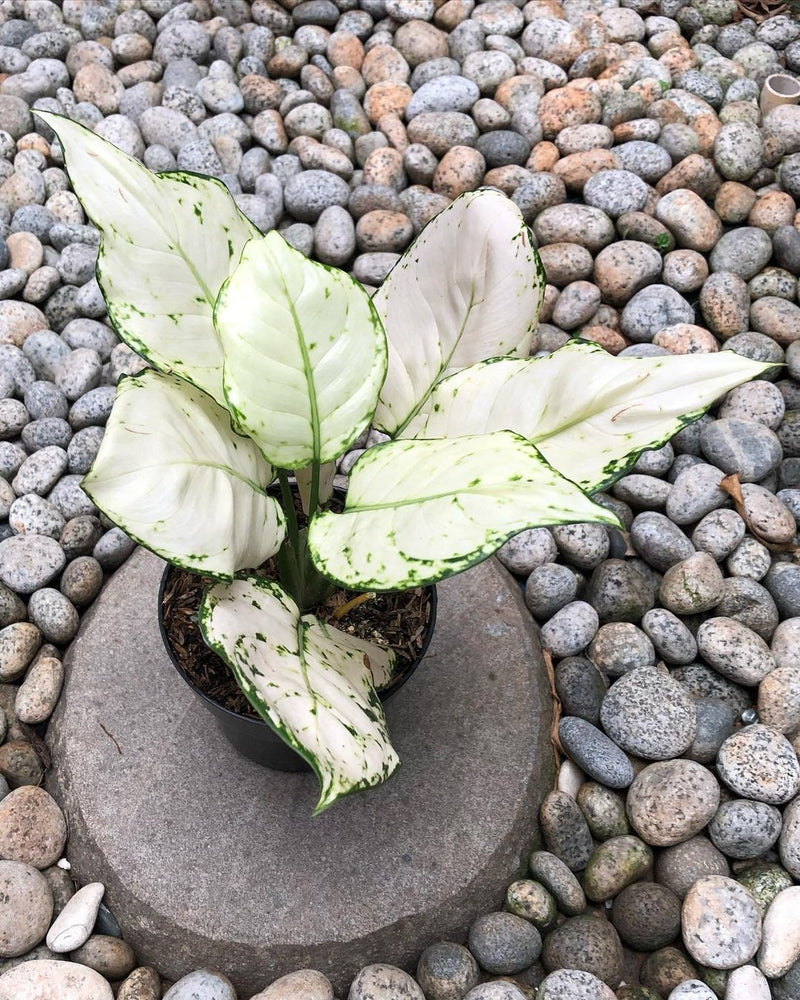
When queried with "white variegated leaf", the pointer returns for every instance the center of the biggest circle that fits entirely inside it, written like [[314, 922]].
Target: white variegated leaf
[[420, 511], [311, 683], [381, 660], [305, 354], [169, 242], [175, 477], [590, 414], [469, 288]]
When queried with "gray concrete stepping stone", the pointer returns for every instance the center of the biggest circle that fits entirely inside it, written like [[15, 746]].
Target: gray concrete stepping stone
[[211, 860]]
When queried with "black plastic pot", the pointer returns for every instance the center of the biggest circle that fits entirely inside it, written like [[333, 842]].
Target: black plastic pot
[[253, 738]]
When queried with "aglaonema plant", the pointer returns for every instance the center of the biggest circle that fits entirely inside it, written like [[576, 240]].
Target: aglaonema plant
[[265, 363]]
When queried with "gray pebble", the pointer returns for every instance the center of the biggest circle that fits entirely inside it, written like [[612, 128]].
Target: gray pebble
[[564, 829], [581, 688], [719, 533], [672, 640], [549, 588], [28, 562], [527, 550], [743, 251], [649, 714], [572, 984], [93, 408], [692, 586], [660, 542], [620, 647], [34, 514], [759, 763], [716, 721], [503, 943], [750, 560], [113, 548], [750, 604], [595, 753], [47, 432], [750, 450], [79, 372], [695, 493], [583, 546], [40, 472], [570, 630], [743, 828], [54, 615], [559, 881]]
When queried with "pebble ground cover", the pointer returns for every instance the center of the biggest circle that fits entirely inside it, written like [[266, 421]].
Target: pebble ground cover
[[630, 137]]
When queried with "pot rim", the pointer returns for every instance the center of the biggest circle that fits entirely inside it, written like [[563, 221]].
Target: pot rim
[[792, 81], [384, 695]]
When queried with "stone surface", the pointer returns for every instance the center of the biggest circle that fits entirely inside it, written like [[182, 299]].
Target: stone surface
[[461, 811], [45, 979]]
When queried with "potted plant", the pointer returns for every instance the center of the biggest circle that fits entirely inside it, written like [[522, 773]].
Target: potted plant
[[265, 362]]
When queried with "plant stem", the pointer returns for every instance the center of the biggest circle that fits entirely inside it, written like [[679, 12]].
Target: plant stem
[[288, 509], [313, 503]]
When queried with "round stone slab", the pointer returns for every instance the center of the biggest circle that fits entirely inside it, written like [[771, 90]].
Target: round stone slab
[[211, 860]]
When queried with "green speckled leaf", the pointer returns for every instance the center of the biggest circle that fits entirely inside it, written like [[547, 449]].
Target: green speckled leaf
[[305, 354], [174, 476], [420, 511], [311, 683], [169, 242], [590, 414], [469, 288]]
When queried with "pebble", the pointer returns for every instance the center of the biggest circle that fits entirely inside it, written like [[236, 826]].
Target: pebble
[[671, 801], [568, 632], [659, 541], [604, 810], [206, 985], [144, 983], [445, 971], [112, 957], [496, 989], [734, 650], [747, 983], [649, 714], [672, 640], [503, 943], [597, 755], [559, 881], [54, 615], [26, 906], [695, 493], [751, 451], [18, 644], [745, 829], [693, 585], [581, 687], [721, 923], [719, 533], [38, 693], [694, 225], [32, 827], [573, 984], [620, 647], [647, 916], [66, 980], [587, 943], [758, 762], [74, 923], [529, 900], [614, 864], [565, 831], [616, 593]]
